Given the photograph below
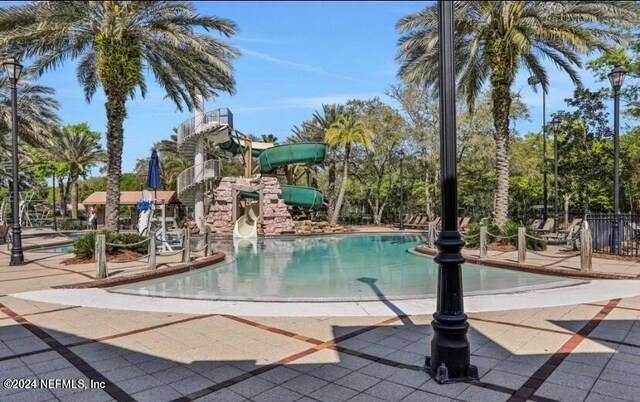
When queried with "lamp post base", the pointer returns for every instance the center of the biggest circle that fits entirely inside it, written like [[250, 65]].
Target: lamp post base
[[17, 256], [616, 236], [441, 374]]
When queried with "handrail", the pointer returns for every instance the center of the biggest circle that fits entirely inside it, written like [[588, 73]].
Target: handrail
[[210, 169], [188, 127]]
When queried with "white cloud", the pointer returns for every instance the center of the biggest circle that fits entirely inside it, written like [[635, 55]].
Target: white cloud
[[250, 39], [296, 65]]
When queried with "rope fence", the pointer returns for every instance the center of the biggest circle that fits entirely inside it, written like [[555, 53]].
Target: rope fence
[[128, 245], [578, 238], [536, 238], [501, 237], [100, 251]]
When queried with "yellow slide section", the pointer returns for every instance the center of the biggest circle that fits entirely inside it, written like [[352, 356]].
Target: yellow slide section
[[247, 225]]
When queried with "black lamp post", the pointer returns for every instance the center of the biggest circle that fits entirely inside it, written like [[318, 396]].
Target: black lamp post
[[533, 81], [450, 351], [555, 124], [14, 69], [401, 154], [616, 77], [55, 221]]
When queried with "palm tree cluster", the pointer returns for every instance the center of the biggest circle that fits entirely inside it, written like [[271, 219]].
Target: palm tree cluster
[[79, 150], [346, 132], [495, 39], [115, 41], [37, 119]]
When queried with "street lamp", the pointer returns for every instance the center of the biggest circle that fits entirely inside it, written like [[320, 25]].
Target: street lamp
[[555, 124], [616, 77], [450, 350], [401, 153], [14, 69], [533, 81]]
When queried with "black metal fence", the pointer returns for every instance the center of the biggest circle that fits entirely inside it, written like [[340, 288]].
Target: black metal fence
[[627, 242]]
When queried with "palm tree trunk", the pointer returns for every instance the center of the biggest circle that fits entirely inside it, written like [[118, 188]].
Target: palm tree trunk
[[331, 187], [501, 96], [63, 200], [67, 194], [343, 186], [74, 198], [116, 113]]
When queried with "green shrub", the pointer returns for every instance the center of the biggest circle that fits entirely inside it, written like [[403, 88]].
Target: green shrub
[[510, 231], [84, 247]]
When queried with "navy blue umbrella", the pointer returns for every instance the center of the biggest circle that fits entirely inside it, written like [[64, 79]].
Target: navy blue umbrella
[[153, 177]]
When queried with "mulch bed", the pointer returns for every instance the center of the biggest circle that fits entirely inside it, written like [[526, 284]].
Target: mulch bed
[[119, 256], [501, 247]]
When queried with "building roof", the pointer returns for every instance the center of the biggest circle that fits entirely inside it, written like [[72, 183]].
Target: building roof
[[131, 197]]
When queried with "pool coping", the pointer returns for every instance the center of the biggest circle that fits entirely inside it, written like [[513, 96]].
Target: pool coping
[[490, 262], [146, 275]]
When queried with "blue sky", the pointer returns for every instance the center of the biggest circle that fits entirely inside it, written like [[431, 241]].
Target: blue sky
[[295, 57]]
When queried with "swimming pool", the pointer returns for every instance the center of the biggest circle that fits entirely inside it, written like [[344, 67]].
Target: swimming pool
[[331, 268], [63, 248]]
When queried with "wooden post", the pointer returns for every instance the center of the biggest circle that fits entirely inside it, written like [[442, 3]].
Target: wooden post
[[432, 234], [186, 245], [207, 239], [152, 250], [100, 255], [522, 245], [585, 247], [483, 242]]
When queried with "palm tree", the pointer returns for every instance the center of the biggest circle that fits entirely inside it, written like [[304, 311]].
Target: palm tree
[[315, 130], [80, 149], [116, 41], [495, 38], [37, 119], [269, 138], [346, 132]]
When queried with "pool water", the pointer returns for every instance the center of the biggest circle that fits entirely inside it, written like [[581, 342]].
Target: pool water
[[64, 248], [330, 268]]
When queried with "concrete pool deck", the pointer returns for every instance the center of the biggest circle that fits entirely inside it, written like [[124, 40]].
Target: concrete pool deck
[[582, 351]]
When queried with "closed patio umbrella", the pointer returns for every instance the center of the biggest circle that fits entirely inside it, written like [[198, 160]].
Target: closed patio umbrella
[[153, 176]]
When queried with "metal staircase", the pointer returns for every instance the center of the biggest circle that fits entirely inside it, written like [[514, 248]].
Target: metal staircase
[[217, 125]]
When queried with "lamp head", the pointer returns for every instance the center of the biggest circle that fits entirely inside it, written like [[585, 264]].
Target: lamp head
[[533, 80], [13, 68], [555, 123], [616, 77]]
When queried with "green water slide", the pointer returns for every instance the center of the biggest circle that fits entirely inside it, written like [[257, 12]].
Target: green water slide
[[270, 159], [235, 148], [286, 154], [303, 197]]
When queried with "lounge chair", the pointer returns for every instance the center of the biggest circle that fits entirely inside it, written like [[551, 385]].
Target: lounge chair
[[547, 227], [575, 222], [420, 222], [464, 223], [413, 220], [408, 219], [537, 224]]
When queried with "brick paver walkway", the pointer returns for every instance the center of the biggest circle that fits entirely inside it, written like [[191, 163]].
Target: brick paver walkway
[[586, 352]]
